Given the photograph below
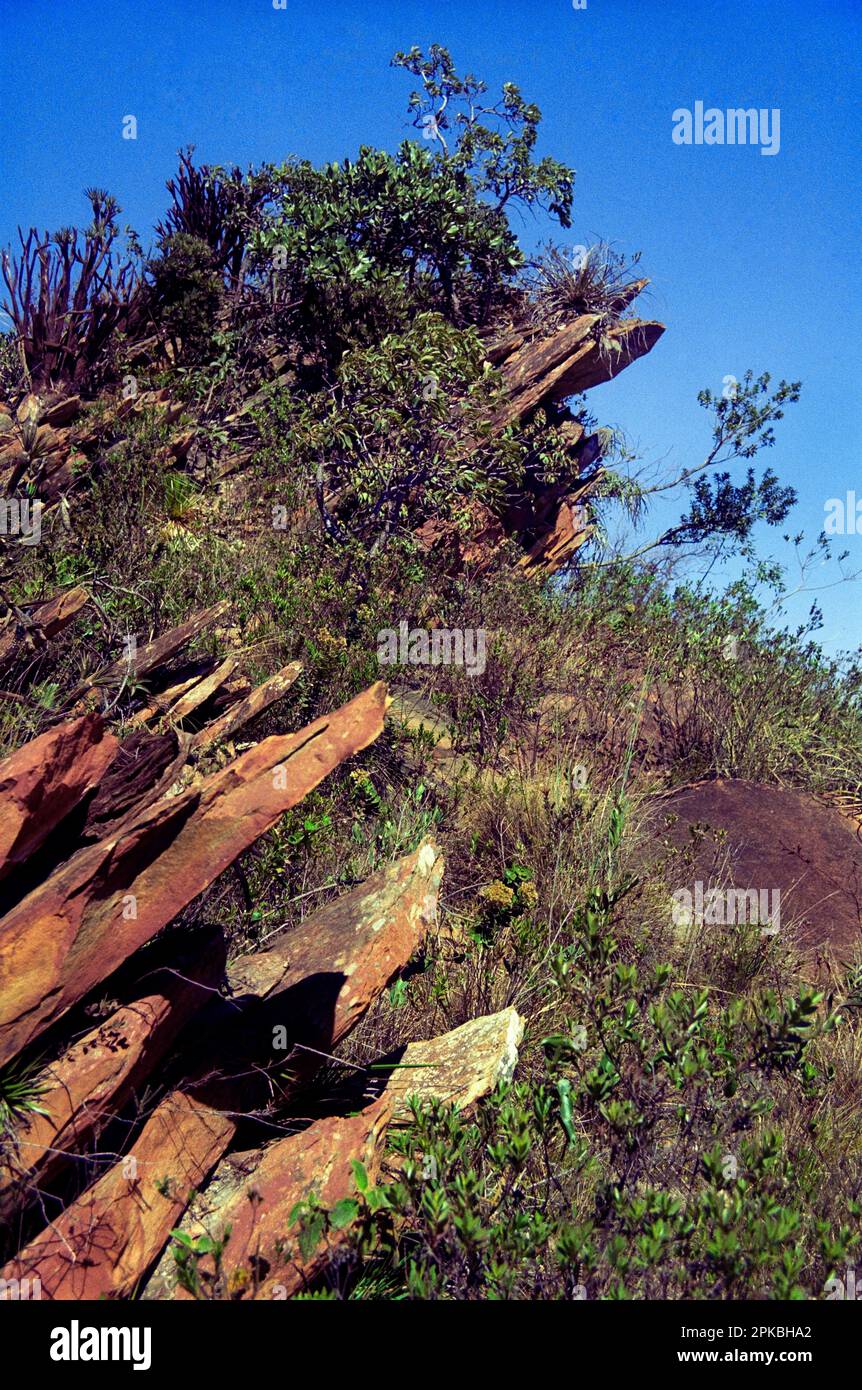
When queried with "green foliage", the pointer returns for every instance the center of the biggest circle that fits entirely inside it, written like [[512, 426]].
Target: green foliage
[[504, 901], [400, 438], [719, 656], [494, 144], [354, 250], [179, 492], [649, 1158], [742, 426], [12, 380], [592, 282], [185, 294], [21, 1085], [188, 1251], [309, 829]]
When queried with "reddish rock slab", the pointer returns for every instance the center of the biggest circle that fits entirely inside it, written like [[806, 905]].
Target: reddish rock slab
[[256, 1196], [254, 1193], [529, 373], [777, 839], [315, 986], [143, 764], [474, 551], [164, 700], [299, 999], [57, 612], [94, 1077], [368, 933], [539, 369], [45, 779], [60, 412], [201, 691], [52, 615], [76, 928], [105, 1242], [555, 549], [49, 408], [13, 463], [596, 363]]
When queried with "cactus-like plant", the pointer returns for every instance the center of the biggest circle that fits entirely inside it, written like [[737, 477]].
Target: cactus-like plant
[[68, 292]]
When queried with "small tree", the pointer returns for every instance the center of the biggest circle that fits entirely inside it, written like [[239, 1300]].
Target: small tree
[[494, 144], [721, 512], [185, 293], [355, 250]]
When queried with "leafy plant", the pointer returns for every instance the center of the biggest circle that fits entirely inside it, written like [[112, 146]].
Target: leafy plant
[[188, 1251], [21, 1085], [494, 144], [399, 438], [355, 250], [185, 293]]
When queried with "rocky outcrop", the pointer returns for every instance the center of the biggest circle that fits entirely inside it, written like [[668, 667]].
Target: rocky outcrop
[[776, 841], [32, 625], [111, 897], [93, 1078], [472, 550], [293, 1004], [566, 533], [542, 364], [253, 1195], [44, 780], [581, 354], [101, 1245], [541, 368], [361, 935], [46, 439], [313, 986], [106, 843]]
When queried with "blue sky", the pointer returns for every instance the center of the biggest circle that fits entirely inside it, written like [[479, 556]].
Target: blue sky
[[752, 258]]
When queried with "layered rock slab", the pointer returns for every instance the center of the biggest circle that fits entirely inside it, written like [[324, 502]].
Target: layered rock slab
[[459, 1067], [254, 1195], [578, 356], [42, 622], [295, 1002], [363, 939], [102, 1244], [45, 779], [91, 914], [93, 1078]]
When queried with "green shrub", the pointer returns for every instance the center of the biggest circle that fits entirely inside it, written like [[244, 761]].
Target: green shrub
[[185, 294]]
